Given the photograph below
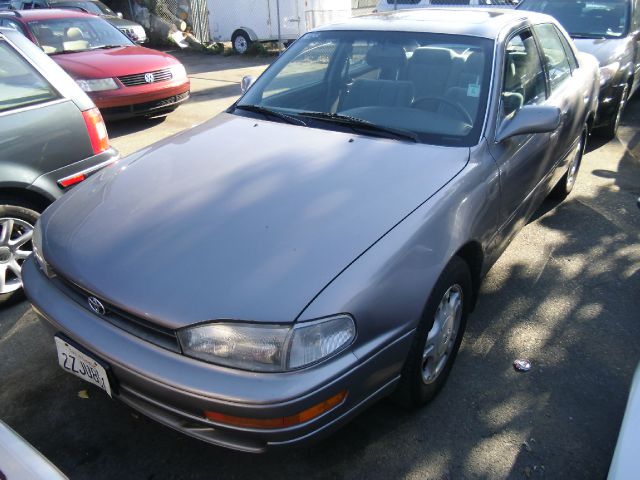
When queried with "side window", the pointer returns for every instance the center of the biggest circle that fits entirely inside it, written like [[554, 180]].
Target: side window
[[573, 62], [553, 53], [20, 84], [524, 81]]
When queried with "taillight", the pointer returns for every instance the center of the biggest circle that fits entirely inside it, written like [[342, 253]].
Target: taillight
[[97, 130]]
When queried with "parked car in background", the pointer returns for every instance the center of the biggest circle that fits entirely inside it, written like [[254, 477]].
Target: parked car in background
[[610, 30], [51, 137], [122, 78], [326, 236], [23, 4], [387, 5], [131, 29], [19, 460]]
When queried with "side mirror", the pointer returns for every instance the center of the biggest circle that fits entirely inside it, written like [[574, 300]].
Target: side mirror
[[246, 82], [119, 14], [529, 119]]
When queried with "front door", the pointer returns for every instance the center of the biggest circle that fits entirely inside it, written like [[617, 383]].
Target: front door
[[522, 160]]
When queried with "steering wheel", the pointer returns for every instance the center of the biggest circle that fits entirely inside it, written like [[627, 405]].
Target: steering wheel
[[457, 107]]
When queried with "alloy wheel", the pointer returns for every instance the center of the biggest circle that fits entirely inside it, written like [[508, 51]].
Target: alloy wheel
[[442, 337], [15, 247]]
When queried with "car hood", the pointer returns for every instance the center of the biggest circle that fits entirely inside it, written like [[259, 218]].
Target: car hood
[[237, 218], [606, 50], [113, 62]]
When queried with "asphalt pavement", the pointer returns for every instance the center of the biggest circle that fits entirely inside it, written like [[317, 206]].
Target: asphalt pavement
[[565, 295]]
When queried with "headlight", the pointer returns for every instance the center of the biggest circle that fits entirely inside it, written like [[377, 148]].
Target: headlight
[[97, 85], [139, 32], [36, 241], [608, 72], [178, 72], [268, 348]]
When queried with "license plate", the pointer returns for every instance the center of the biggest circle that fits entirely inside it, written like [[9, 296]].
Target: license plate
[[82, 365]]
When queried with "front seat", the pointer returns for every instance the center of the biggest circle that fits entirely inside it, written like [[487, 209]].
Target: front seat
[[74, 40], [386, 91], [429, 70]]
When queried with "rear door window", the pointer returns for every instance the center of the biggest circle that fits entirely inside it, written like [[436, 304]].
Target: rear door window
[[554, 56], [20, 84]]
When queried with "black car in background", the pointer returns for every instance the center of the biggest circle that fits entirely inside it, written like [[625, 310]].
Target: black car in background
[[51, 137], [609, 30]]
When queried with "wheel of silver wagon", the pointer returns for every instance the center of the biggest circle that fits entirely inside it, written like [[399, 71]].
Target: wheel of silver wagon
[[16, 229]]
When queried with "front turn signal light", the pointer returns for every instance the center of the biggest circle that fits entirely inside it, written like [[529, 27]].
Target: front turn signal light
[[291, 420]]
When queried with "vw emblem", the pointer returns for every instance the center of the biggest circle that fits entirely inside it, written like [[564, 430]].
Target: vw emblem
[[97, 306], [149, 78]]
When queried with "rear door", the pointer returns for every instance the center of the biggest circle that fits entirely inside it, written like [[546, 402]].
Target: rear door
[[40, 130], [559, 68]]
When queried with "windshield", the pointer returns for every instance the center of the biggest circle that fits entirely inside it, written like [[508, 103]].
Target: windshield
[[586, 19], [97, 8], [428, 87], [77, 34]]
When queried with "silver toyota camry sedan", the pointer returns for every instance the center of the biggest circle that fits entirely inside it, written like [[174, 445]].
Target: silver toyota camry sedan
[[258, 280]]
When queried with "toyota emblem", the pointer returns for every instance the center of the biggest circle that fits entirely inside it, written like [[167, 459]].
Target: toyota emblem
[[149, 78], [97, 306]]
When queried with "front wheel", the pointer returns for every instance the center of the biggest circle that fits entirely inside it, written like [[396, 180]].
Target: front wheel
[[609, 131], [16, 230], [437, 337]]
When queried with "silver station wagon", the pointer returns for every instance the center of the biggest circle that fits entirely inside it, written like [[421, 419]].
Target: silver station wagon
[[259, 279]]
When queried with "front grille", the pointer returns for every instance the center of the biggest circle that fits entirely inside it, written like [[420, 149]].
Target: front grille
[[139, 78], [140, 327]]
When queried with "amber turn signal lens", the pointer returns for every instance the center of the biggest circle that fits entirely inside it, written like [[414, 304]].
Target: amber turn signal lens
[[298, 418]]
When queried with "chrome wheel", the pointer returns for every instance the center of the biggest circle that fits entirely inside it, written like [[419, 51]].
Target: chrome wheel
[[442, 337], [572, 171], [15, 247]]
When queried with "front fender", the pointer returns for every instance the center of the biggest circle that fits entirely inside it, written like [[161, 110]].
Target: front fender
[[387, 286]]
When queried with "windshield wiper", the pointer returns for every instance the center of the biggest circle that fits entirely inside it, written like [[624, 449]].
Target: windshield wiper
[[267, 112], [591, 36], [106, 47], [363, 125]]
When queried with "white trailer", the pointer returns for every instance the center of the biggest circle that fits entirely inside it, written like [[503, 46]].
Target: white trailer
[[246, 21]]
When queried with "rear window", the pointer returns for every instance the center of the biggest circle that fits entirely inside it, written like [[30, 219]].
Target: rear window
[[20, 84]]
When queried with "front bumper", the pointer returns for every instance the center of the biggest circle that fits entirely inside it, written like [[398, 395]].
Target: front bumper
[[176, 390], [148, 99]]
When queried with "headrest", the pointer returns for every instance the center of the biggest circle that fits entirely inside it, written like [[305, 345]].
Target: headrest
[[74, 33], [474, 62], [431, 55], [387, 56]]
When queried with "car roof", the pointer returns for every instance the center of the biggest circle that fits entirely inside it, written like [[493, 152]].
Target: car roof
[[478, 22], [45, 14]]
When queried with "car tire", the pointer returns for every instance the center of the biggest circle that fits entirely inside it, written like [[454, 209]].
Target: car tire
[[609, 131], [241, 42], [564, 186], [15, 222], [437, 338]]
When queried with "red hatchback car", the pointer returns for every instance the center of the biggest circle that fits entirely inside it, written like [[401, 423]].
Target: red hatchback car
[[122, 78]]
